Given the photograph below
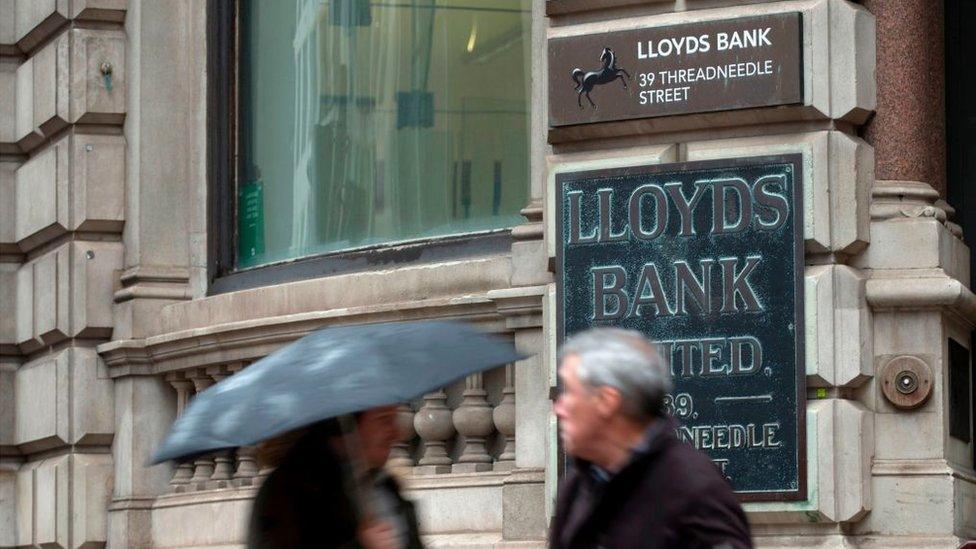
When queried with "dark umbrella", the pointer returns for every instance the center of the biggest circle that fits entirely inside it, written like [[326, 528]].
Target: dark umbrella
[[329, 373]]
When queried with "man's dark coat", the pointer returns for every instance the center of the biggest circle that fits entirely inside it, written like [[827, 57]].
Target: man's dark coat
[[667, 496]]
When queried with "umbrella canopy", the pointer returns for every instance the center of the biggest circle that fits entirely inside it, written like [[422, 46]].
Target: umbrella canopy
[[329, 373]]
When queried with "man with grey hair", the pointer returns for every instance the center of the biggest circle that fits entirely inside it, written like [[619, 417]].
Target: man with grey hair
[[632, 483]]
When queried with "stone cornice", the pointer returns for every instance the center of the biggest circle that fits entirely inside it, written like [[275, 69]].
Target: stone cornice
[[498, 311], [521, 306], [533, 229], [904, 289], [154, 282], [919, 468]]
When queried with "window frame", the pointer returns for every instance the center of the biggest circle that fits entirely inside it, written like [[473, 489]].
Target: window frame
[[224, 164]]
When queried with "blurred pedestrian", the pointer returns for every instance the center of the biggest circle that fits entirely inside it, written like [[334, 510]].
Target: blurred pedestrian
[[632, 482], [329, 488]]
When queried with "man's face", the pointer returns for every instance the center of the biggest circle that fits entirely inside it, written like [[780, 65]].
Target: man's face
[[378, 432], [578, 410]]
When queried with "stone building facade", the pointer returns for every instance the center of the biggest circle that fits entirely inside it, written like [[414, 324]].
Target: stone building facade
[[110, 319]]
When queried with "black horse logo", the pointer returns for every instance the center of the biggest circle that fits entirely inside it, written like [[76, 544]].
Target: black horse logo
[[585, 82]]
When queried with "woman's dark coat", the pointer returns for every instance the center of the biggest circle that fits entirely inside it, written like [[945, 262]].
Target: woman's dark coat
[[305, 502], [668, 496]]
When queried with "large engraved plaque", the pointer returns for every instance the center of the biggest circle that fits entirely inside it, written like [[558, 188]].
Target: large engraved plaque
[[706, 258]]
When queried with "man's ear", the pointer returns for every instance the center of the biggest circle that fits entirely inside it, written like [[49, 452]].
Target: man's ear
[[608, 401]]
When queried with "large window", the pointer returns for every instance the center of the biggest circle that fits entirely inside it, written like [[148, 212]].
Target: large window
[[364, 123]]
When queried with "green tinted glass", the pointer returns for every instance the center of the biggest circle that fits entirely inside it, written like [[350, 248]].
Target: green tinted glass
[[369, 122]]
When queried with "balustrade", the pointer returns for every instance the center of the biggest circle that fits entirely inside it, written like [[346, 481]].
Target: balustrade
[[466, 428]]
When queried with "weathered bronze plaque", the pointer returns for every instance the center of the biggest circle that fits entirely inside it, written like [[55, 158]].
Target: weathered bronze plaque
[[681, 69], [706, 258]]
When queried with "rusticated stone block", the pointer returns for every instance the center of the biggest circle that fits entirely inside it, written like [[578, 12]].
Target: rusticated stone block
[[837, 176], [27, 135], [8, 101], [97, 182], [41, 400], [91, 494], [63, 501], [74, 185], [8, 25], [63, 399], [42, 307], [8, 503], [92, 399], [852, 61], [99, 10], [8, 204], [42, 186], [844, 437], [50, 79], [8, 371], [851, 178], [51, 513], [8, 304], [92, 100], [839, 333], [25, 504], [67, 292], [64, 84], [854, 431], [36, 20]]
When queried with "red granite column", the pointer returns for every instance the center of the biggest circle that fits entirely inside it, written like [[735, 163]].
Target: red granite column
[[908, 129]]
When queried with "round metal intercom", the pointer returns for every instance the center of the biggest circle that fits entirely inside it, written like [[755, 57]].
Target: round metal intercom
[[906, 382]]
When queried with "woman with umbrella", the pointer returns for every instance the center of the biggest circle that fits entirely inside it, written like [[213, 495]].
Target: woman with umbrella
[[312, 499], [328, 402]]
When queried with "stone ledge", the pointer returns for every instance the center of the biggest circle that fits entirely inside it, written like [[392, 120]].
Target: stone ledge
[[842, 541], [564, 7], [205, 497], [919, 468], [459, 280], [521, 306], [912, 289], [416, 483], [253, 339], [488, 540]]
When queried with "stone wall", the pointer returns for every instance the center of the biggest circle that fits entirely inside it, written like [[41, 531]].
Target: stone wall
[[104, 312], [886, 271], [63, 87]]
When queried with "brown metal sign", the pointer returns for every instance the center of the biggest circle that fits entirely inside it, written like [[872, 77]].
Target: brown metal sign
[[681, 69]]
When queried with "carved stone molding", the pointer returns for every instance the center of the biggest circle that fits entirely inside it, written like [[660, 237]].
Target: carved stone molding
[[901, 200], [533, 228], [254, 339], [922, 292], [521, 307], [154, 282]]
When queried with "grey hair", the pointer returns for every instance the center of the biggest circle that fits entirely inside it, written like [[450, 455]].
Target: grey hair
[[625, 360]]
